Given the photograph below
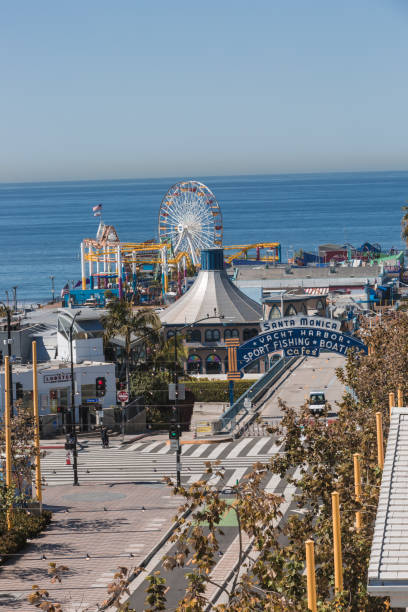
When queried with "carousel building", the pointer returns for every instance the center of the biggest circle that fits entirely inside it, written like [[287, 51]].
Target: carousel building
[[216, 310]]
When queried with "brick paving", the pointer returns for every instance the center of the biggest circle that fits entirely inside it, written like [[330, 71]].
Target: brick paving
[[105, 522]]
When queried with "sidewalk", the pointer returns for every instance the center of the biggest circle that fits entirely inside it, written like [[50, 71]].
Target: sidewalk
[[95, 529]]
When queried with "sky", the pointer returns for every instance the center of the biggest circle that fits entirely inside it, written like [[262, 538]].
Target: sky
[[95, 89]]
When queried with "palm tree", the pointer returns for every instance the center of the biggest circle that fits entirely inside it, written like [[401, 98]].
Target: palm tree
[[164, 358], [137, 328]]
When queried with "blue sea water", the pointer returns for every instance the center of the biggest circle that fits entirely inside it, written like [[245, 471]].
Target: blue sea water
[[42, 224]]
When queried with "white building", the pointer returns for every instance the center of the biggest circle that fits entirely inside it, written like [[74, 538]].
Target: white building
[[54, 391], [54, 376]]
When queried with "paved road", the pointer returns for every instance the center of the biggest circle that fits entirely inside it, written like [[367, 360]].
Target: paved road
[[314, 373], [149, 462]]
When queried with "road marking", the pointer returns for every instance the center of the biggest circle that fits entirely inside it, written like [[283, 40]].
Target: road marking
[[164, 450], [135, 446], [150, 447], [273, 483], [237, 475], [256, 449], [218, 450], [214, 478], [200, 450], [194, 478], [238, 448]]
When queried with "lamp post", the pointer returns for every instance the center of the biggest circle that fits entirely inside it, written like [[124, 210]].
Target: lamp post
[[73, 423], [176, 406], [52, 289], [9, 341]]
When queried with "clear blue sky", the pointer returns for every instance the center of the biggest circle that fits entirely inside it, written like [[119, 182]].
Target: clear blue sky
[[135, 88]]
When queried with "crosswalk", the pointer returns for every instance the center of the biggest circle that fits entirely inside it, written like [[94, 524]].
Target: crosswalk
[[249, 447], [149, 464]]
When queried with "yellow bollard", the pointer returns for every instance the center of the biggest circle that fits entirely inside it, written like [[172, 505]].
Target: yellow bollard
[[380, 443], [391, 402], [338, 562], [311, 576], [36, 428], [7, 430], [357, 488], [400, 398]]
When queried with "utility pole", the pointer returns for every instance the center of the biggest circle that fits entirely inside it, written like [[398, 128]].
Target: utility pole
[[177, 414], [36, 428], [9, 343], [176, 406], [73, 418], [52, 289], [15, 297]]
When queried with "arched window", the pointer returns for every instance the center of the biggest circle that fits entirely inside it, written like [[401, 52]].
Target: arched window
[[231, 333], [194, 335], [194, 364], [291, 311], [275, 312], [213, 364], [212, 335], [170, 333], [250, 333]]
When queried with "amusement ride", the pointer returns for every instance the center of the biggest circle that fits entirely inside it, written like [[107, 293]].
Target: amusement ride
[[190, 220]]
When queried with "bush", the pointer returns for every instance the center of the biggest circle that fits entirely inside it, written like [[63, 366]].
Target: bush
[[25, 526], [216, 390]]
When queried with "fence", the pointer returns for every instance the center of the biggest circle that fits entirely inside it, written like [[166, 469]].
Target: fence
[[242, 406]]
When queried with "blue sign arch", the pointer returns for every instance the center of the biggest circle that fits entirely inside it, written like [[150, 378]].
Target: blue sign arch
[[295, 341]]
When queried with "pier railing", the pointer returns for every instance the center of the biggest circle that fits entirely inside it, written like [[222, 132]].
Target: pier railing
[[245, 404]]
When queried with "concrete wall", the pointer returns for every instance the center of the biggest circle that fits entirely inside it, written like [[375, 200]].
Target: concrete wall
[[90, 349]]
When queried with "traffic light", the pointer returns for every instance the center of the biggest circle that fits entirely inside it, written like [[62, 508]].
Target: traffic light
[[100, 384], [174, 432]]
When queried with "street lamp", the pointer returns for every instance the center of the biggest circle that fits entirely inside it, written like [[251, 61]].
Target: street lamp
[[9, 341], [176, 406], [52, 288], [73, 423]]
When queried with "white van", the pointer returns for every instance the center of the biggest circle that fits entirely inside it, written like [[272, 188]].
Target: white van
[[317, 402]]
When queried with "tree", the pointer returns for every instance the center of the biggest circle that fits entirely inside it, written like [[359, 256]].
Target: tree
[[164, 357], [138, 328]]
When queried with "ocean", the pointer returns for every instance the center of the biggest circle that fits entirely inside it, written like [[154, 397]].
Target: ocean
[[42, 224]]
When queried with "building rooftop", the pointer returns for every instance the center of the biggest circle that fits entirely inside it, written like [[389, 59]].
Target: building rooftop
[[388, 569], [310, 276], [212, 291]]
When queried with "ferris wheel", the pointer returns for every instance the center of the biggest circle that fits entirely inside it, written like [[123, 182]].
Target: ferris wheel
[[190, 219]]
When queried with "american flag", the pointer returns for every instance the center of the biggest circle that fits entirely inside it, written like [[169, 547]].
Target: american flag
[[97, 210]]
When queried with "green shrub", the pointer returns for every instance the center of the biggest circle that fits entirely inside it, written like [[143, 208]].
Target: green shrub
[[24, 526], [216, 390]]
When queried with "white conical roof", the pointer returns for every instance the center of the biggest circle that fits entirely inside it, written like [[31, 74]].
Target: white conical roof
[[212, 292]]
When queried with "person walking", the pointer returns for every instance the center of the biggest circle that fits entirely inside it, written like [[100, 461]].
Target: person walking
[[105, 437]]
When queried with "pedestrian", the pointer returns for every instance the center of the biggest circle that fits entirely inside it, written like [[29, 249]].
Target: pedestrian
[[105, 437]]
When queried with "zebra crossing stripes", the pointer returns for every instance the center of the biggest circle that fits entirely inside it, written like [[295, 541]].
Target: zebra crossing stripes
[[217, 451], [239, 447], [150, 447], [200, 450], [135, 446], [255, 450], [248, 447], [236, 477]]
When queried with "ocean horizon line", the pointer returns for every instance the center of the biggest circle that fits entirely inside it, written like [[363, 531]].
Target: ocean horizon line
[[203, 176]]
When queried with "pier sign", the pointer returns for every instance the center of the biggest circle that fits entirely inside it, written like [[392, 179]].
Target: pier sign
[[301, 321], [295, 336]]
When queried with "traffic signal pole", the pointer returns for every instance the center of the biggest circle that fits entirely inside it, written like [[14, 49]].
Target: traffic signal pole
[[73, 416], [177, 411]]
